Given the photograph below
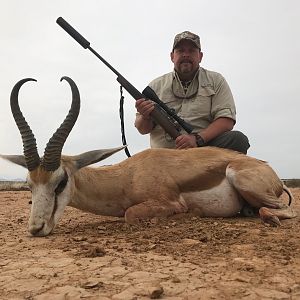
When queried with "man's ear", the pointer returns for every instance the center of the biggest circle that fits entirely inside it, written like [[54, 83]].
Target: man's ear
[[200, 56], [16, 159], [172, 56]]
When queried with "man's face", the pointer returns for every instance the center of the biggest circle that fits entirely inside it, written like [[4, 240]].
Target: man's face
[[186, 58]]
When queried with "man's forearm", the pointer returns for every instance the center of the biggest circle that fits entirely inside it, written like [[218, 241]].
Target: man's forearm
[[216, 128]]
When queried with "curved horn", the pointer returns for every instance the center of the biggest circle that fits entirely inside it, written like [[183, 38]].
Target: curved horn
[[32, 158], [52, 154]]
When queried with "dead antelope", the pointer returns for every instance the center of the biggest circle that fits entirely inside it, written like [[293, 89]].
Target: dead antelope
[[208, 181]]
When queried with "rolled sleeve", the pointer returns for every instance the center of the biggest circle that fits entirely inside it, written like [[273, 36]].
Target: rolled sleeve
[[223, 102]]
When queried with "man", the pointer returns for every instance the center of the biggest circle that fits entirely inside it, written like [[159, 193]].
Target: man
[[200, 97]]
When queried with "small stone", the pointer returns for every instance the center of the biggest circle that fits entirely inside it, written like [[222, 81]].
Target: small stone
[[101, 228], [190, 242], [95, 252], [176, 280], [93, 284], [154, 220], [79, 238], [152, 246], [156, 292]]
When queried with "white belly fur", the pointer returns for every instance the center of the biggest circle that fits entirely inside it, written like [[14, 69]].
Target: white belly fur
[[220, 201]]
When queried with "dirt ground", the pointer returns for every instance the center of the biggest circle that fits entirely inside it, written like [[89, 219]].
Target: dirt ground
[[95, 257]]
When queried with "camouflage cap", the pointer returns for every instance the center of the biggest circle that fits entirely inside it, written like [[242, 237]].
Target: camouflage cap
[[187, 35]]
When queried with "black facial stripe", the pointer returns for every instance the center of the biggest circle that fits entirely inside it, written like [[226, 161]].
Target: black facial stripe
[[61, 186]]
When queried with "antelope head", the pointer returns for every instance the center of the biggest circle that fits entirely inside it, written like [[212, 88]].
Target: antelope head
[[50, 178]]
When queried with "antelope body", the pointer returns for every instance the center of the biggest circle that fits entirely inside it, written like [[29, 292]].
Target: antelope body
[[207, 181]]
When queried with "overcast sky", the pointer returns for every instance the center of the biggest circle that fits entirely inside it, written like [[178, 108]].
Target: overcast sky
[[254, 44]]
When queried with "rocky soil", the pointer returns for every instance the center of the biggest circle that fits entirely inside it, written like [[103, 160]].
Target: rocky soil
[[184, 257]]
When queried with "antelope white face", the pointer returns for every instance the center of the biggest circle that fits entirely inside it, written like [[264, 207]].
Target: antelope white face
[[50, 195], [49, 179]]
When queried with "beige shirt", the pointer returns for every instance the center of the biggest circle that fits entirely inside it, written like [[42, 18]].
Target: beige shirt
[[207, 98]]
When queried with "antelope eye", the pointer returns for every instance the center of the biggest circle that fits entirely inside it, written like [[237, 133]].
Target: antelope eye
[[61, 186]]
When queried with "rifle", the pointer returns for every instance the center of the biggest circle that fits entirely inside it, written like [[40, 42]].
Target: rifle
[[162, 114]]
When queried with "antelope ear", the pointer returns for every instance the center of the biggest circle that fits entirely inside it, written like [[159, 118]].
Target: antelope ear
[[16, 159], [91, 157]]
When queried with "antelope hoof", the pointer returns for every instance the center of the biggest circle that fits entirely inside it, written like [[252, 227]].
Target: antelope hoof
[[272, 220], [268, 217]]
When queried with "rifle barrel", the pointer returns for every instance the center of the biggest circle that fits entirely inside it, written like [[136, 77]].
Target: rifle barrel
[[158, 114]]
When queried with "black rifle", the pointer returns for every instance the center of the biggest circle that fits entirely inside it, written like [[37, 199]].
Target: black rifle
[[161, 114]]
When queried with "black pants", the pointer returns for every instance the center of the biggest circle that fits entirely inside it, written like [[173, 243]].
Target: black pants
[[234, 140]]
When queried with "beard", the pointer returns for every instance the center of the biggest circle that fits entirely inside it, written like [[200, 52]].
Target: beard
[[186, 70], [186, 67]]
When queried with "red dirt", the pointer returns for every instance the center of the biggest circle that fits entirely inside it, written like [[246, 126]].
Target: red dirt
[[184, 257]]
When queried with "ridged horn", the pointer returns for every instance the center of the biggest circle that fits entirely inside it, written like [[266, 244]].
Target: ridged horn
[[32, 158], [52, 154]]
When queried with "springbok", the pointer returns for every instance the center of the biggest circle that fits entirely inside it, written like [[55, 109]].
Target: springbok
[[208, 181]]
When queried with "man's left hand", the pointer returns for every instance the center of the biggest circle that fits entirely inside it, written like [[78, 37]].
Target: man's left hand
[[185, 141]]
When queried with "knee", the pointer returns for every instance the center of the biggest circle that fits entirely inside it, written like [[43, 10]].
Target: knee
[[240, 141], [234, 140]]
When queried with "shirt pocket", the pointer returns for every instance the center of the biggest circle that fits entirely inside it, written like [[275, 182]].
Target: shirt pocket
[[173, 104], [201, 104]]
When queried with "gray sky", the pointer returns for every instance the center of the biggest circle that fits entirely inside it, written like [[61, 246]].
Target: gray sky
[[254, 44]]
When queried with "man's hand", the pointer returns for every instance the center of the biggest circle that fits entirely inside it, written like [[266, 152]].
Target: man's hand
[[143, 122], [185, 141], [144, 107]]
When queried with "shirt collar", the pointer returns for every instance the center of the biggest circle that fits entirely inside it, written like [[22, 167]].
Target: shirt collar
[[185, 93]]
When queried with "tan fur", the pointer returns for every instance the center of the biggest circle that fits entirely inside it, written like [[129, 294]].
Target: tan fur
[[157, 170], [40, 175], [158, 178], [208, 181]]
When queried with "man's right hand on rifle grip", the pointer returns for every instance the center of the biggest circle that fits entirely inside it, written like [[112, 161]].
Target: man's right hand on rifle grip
[[144, 107]]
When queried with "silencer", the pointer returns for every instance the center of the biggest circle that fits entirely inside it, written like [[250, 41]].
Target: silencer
[[72, 32]]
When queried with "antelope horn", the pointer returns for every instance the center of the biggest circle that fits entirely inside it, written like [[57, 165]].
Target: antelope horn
[[32, 158], [52, 154]]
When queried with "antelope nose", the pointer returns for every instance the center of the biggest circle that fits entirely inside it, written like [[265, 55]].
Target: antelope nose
[[36, 229]]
